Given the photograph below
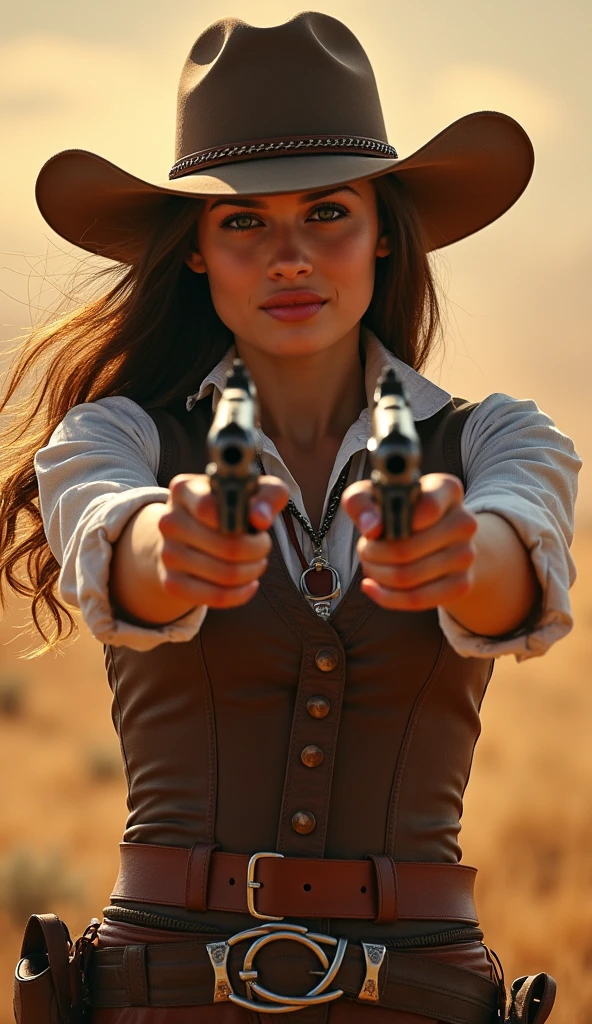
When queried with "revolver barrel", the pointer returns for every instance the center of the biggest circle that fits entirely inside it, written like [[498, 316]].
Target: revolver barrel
[[395, 452], [232, 449]]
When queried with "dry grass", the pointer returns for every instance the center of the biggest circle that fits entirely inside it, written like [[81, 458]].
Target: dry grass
[[527, 812]]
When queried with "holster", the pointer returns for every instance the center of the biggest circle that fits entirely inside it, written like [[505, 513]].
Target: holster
[[531, 999], [49, 980]]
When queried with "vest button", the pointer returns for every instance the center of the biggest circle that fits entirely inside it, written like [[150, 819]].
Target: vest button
[[318, 706], [311, 756], [303, 822], [326, 659]]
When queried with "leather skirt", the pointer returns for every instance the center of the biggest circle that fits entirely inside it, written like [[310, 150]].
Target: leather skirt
[[472, 956]]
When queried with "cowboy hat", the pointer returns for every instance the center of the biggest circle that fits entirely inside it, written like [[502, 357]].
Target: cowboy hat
[[287, 109]]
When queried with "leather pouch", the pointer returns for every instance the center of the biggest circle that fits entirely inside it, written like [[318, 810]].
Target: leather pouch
[[49, 977]]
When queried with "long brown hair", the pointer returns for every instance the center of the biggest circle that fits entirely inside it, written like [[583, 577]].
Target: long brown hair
[[152, 336]]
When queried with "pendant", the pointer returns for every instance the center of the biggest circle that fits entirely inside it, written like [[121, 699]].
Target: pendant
[[320, 583]]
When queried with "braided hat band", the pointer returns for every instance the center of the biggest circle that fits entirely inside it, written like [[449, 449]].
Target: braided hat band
[[298, 146]]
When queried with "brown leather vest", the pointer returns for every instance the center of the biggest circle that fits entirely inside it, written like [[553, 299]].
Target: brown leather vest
[[212, 730]]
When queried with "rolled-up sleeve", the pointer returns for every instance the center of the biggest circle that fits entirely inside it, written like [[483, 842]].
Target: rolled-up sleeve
[[518, 465], [97, 470]]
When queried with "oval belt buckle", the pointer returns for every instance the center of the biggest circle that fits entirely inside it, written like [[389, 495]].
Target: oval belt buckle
[[321, 602], [263, 1000]]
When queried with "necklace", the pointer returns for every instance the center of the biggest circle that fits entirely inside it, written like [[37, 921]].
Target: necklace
[[319, 582]]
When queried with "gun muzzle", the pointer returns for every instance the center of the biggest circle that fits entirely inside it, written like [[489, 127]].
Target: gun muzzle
[[395, 452], [232, 450]]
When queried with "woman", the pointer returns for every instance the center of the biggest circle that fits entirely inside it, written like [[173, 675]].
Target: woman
[[288, 771]]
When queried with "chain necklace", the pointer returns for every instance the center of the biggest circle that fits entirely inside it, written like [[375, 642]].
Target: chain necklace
[[324, 581]]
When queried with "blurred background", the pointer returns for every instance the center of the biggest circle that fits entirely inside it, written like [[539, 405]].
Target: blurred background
[[75, 74]]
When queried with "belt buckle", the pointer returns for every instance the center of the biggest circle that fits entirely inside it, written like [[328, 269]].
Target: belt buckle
[[263, 1000], [252, 885]]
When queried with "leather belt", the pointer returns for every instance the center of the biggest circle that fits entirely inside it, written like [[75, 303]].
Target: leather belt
[[271, 887], [197, 974]]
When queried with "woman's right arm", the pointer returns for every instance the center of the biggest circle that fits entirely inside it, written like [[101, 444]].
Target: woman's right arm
[[97, 488], [172, 558]]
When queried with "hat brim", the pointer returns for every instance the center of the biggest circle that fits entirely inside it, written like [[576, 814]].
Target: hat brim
[[460, 181]]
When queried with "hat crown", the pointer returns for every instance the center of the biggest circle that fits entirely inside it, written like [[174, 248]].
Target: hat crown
[[308, 76]]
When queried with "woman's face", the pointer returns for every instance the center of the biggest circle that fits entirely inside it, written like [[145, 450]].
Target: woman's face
[[291, 274]]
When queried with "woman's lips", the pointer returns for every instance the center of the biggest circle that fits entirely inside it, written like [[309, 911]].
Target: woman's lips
[[298, 311]]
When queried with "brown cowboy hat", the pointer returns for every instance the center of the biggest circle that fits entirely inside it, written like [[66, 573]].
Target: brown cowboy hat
[[287, 109]]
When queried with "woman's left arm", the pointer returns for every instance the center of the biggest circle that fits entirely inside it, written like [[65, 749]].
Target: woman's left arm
[[505, 595], [495, 560]]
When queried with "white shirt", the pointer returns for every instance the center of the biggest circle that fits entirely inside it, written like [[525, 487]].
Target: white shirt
[[100, 466]]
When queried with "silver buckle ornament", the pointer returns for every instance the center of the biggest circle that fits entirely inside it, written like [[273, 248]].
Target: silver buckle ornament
[[374, 954], [263, 1000]]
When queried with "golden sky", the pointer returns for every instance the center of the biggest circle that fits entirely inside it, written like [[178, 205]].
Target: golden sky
[[76, 74]]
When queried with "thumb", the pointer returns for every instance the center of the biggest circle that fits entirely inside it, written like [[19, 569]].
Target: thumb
[[439, 493], [269, 499], [360, 506]]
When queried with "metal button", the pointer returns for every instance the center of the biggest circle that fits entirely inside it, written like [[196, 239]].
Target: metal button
[[311, 756], [326, 659], [318, 706], [303, 822]]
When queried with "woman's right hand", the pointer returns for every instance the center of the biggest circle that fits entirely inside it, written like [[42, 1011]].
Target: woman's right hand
[[198, 565]]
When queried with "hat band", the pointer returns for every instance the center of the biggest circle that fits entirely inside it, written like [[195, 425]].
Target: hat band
[[293, 146]]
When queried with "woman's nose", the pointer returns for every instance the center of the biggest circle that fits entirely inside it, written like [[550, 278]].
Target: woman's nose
[[289, 261]]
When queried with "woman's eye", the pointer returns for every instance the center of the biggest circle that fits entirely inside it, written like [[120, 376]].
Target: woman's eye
[[240, 221], [329, 212]]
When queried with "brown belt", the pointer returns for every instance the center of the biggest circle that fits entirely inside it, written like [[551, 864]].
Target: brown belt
[[273, 887]]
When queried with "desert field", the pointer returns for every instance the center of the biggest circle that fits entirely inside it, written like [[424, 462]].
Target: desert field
[[527, 822]]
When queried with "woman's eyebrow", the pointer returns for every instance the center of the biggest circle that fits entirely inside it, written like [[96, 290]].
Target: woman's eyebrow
[[311, 196], [256, 204]]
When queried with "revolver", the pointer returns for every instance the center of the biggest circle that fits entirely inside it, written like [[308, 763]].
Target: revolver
[[395, 453], [232, 449]]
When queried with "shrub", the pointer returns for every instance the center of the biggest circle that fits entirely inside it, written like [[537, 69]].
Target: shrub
[[12, 695], [32, 882], [103, 763]]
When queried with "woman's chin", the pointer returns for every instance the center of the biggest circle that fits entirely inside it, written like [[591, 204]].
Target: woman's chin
[[299, 342]]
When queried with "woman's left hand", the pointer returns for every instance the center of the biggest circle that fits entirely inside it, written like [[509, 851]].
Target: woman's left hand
[[431, 567]]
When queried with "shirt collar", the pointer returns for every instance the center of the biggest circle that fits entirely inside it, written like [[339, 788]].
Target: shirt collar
[[214, 382], [425, 398]]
